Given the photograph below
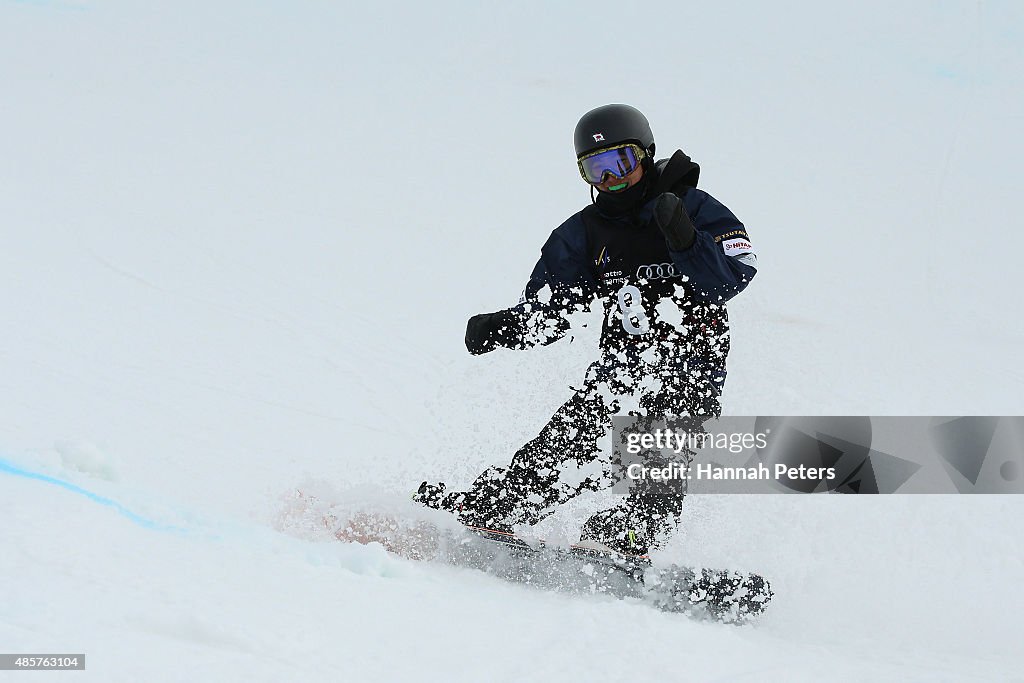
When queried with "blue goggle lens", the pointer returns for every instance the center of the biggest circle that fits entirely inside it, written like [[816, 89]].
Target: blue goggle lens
[[619, 161]]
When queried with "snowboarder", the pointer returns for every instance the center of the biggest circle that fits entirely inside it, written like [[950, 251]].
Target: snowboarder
[[663, 257]]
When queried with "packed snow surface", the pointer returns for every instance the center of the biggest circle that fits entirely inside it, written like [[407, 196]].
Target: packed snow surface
[[241, 241]]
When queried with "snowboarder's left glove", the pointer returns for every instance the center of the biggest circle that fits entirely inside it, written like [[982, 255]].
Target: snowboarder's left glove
[[670, 217], [487, 331]]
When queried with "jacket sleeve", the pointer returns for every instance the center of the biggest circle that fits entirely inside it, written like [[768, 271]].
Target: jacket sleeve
[[561, 283], [721, 262]]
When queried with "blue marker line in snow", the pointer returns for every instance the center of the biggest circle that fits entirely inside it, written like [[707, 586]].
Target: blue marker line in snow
[[8, 468]]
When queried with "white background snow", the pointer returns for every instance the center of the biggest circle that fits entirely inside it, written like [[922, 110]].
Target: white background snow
[[240, 241]]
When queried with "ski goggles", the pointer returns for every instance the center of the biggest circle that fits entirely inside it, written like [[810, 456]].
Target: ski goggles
[[620, 161]]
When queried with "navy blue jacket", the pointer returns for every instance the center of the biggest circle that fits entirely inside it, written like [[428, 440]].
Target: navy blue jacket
[[593, 254], [717, 272]]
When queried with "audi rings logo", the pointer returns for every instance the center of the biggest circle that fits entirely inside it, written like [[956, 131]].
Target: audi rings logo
[[657, 271]]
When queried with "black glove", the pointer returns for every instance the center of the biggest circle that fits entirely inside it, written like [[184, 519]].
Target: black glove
[[486, 331], [671, 219]]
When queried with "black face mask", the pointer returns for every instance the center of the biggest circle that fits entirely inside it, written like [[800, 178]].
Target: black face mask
[[617, 204]]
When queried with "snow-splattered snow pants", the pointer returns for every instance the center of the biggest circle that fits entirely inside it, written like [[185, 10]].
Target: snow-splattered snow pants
[[565, 458]]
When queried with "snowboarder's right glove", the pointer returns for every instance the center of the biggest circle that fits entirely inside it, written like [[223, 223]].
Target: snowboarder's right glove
[[487, 331], [670, 217]]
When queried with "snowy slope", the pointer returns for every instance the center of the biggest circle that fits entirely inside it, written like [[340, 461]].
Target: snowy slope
[[240, 242], [217, 600]]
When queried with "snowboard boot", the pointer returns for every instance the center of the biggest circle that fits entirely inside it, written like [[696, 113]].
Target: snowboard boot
[[456, 502], [430, 495], [637, 525], [610, 531], [434, 496]]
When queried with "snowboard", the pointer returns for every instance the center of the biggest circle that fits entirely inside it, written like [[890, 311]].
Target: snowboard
[[721, 595], [704, 593]]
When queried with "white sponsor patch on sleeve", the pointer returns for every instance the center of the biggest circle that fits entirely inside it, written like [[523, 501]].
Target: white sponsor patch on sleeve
[[750, 259], [737, 246]]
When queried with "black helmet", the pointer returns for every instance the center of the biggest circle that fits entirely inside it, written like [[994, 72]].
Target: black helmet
[[610, 125]]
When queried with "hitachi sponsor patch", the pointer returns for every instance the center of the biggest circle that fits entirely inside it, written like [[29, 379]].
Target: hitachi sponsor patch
[[737, 246]]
